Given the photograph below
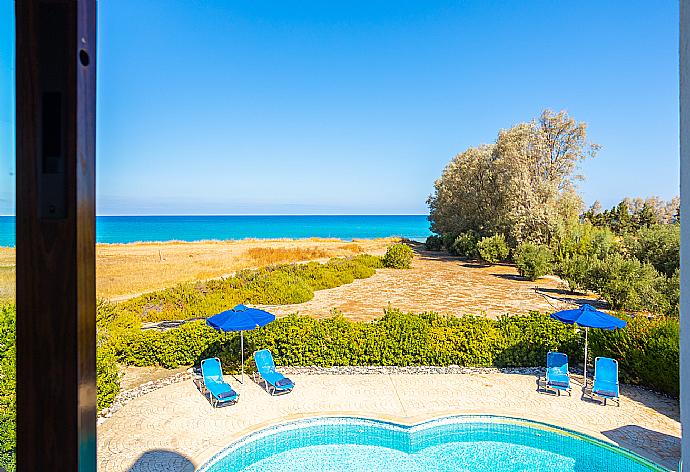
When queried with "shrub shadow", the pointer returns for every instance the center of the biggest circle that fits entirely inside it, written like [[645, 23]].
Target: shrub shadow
[[570, 297], [516, 277], [162, 459], [658, 447]]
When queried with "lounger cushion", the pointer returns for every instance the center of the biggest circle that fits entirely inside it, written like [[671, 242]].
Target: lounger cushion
[[559, 384], [228, 394], [284, 382], [606, 393]]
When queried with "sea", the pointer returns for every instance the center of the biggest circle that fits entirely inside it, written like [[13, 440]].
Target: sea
[[129, 229]]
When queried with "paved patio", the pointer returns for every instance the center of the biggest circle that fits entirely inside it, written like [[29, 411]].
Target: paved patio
[[175, 428]]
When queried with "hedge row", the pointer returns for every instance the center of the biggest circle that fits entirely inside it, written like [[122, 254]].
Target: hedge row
[[403, 339], [8, 401], [647, 349]]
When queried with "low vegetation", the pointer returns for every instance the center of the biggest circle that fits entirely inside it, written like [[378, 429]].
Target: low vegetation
[[521, 190], [417, 339], [647, 349], [279, 284], [533, 260], [398, 256], [126, 270], [493, 249], [8, 402]]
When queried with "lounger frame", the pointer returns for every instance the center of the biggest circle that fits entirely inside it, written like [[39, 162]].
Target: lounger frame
[[604, 398], [265, 384], [215, 402], [556, 388]]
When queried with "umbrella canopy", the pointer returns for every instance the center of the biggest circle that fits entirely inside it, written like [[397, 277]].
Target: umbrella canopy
[[240, 318], [589, 317]]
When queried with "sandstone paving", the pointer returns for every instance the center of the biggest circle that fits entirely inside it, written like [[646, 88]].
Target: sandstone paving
[[175, 428], [442, 283]]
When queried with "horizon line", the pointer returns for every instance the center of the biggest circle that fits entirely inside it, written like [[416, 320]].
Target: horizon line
[[263, 214]]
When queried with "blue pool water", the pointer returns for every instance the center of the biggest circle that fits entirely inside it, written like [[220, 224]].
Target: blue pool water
[[128, 229], [464, 443]]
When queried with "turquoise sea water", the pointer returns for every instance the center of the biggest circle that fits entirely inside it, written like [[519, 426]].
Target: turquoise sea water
[[127, 229], [476, 444]]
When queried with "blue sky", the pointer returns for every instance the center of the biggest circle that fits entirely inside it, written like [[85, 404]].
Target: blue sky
[[244, 107]]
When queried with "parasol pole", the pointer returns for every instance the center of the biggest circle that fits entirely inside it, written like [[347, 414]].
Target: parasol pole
[[586, 332], [242, 354]]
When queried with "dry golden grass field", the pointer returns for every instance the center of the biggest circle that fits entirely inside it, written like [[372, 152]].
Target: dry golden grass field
[[7, 273], [436, 282], [125, 270]]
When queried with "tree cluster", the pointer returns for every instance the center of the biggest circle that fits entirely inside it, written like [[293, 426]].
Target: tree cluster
[[521, 186]]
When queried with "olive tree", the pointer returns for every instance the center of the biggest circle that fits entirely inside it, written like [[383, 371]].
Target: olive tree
[[522, 185]]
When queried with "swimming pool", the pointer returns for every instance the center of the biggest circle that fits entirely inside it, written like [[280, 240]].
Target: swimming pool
[[458, 443]]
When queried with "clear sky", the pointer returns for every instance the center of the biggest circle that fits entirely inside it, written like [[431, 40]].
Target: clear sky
[[246, 107]]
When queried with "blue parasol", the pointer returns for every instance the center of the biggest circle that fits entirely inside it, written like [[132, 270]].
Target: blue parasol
[[588, 317], [240, 318]]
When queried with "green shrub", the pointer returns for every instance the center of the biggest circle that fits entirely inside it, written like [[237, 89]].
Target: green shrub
[[280, 284], [367, 260], [107, 378], [414, 339], [628, 284], [670, 289], [575, 271], [493, 249], [658, 245], [448, 241], [584, 240], [533, 261], [8, 402], [603, 243], [398, 256], [465, 245], [433, 243]]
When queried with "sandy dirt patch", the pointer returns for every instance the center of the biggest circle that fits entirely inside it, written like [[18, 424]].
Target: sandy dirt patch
[[441, 283]]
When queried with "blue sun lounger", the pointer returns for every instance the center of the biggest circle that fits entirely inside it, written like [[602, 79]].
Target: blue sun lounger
[[220, 392], [557, 375], [274, 382], [606, 379]]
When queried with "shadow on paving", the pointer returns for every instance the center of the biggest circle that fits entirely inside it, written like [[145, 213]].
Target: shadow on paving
[[649, 444], [572, 297], [162, 459]]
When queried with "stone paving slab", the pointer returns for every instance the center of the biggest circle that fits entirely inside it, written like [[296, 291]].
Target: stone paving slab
[[175, 428]]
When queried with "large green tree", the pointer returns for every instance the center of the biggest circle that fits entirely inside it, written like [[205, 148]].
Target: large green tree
[[522, 185]]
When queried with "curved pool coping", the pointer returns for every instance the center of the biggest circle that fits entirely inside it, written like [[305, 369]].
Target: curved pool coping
[[406, 426]]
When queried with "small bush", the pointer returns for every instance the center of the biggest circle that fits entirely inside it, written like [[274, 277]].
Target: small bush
[[658, 245], [575, 271], [670, 288], [448, 241], [465, 245], [603, 243], [493, 249], [533, 261], [367, 260], [628, 284], [433, 243], [107, 378], [398, 256], [8, 401]]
